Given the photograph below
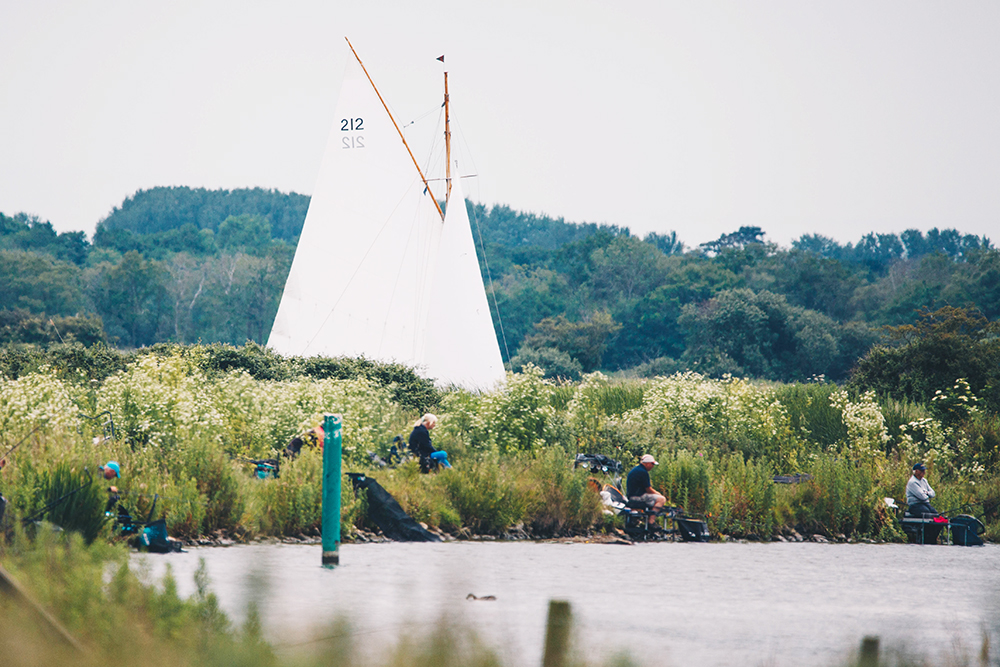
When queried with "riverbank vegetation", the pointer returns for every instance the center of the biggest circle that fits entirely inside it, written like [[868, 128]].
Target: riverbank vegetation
[[184, 422]]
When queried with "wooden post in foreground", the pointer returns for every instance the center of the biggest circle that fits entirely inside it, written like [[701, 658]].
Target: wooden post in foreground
[[557, 634], [331, 490], [868, 657]]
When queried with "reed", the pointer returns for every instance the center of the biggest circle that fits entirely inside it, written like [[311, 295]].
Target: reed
[[810, 413], [685, 478], [486, 496], [742, 498]]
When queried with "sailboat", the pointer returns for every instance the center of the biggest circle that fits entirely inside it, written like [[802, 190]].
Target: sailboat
[[380, 270]]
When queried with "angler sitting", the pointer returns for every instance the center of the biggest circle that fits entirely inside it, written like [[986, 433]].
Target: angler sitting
[[314, 437], [639, 490], [919, 494], [420, 445]]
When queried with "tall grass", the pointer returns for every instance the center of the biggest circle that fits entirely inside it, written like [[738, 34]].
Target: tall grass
[[485, 495], [685, 478], [558, 499], [810, 413], [742, 498], [839, 499], [186, 417]]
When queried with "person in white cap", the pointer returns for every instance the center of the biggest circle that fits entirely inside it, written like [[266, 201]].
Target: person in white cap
[[638, 487]]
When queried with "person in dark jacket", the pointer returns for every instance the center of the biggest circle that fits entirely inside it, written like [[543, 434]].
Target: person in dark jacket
[[639, 488], [420, 444]]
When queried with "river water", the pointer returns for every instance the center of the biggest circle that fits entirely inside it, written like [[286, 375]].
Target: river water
[[664, 603]]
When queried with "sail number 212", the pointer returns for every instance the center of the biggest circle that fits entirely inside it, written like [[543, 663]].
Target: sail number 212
[[352, 125]]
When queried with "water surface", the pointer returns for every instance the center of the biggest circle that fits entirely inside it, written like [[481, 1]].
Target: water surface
[[665, 603]]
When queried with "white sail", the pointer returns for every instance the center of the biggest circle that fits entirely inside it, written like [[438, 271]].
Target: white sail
[[360, 280], [461, 346], [376, 273]]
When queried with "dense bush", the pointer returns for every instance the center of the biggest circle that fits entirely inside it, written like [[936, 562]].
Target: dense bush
[[187, 419]]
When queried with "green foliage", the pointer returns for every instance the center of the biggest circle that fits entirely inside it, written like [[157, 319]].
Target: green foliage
[[20, 326], [810, 412], [163, 209], [71, 499], [26, 232], [558, 499], [584, 341], [251, 233], [839, 499], [121, 621], [519, 416], [40, 283], [190, 265], [485, 496], [743, 498], [684, 478], [733, 414], [930, 355], [759, 333], [217, 483], [292, 503], [556, 364], [131, 297]]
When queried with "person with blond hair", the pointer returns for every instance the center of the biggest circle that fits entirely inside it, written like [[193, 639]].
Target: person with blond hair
[[420, 444]]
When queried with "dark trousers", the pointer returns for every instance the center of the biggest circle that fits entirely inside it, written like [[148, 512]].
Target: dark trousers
[[920, 509]]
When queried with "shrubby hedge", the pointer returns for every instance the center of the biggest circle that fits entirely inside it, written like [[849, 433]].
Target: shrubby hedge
[[186, 419]]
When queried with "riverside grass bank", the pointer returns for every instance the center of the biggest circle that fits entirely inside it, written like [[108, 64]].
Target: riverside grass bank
[[186, 419]]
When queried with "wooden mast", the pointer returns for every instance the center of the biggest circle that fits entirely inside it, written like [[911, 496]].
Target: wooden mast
[[447, 141], [400, 132]]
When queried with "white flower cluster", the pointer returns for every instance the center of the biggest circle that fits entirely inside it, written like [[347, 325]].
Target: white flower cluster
[[518, 416], [866, 430], [691, 404], [583, 411], [37, 400], [164, 402], [275, 411]]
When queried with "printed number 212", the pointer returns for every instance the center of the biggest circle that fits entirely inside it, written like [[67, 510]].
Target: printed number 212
[[351, 124]]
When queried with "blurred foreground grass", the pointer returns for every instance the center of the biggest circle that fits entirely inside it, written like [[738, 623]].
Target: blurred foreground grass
[[118, 620]]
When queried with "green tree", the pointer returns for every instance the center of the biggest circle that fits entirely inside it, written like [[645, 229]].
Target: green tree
[[932, 353], [626, 268], [249, 233], [584, 341], [20, 326], [39, 283], [132, 299], [760, 334]]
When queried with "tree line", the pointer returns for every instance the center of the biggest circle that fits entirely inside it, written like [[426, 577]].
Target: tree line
[[187, 265]]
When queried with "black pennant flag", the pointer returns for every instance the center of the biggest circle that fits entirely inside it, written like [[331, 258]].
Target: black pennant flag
[[441, 58]]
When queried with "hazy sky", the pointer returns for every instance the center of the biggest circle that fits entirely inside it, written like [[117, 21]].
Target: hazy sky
[[837, 118]]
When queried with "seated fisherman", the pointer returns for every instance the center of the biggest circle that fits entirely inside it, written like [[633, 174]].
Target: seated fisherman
[[111, 470], [314, 437], [919, 493], [420, 444], [639, 488]]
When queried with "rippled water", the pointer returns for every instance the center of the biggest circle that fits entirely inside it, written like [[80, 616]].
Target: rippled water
[[666, 604]]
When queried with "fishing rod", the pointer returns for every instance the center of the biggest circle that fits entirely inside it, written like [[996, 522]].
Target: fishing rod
[[20, 442], [56, 502]]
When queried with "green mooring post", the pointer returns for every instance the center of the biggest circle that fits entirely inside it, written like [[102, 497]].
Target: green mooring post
[[331, 490]]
